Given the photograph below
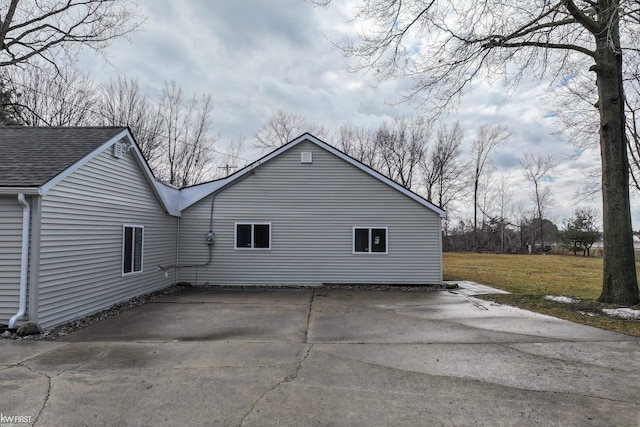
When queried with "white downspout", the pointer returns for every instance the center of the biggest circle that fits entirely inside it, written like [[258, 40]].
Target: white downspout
[[24, 262]]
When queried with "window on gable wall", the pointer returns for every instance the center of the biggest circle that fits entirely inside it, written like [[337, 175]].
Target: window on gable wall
[[132, 246], [370, 240], [253, 236]]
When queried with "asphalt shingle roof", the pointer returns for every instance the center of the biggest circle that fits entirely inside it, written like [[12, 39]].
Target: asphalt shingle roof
[[31, 156]]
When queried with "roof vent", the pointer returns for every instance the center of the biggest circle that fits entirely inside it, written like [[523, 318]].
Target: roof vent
[[306, 157], [117, 150]]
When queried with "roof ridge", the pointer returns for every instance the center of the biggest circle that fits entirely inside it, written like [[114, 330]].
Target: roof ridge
[[62, 127]]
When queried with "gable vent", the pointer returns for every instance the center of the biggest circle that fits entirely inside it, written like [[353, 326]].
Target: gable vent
[[117, 150], [306, 157]]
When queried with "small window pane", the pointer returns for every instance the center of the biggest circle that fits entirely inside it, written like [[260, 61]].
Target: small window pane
[[243, 235], [132, 244], [261, 236], [378, 240], [137, 254], [128, 250], [361, 240]]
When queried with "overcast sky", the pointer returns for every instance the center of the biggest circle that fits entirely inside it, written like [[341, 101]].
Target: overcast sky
[[258, 56]]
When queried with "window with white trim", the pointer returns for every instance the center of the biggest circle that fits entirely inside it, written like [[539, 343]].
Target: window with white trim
[[132, 248], [253, 235], [370, 240]]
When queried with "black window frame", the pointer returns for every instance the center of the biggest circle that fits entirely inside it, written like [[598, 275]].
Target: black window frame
[[132, 249], [365, 238], [255, 239]]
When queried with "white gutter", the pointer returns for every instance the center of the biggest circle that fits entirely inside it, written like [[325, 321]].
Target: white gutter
[[10, 191], [24, 262]]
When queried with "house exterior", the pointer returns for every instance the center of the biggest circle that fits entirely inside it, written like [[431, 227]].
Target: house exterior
[[85, 225], [307, 214], [81, 200]]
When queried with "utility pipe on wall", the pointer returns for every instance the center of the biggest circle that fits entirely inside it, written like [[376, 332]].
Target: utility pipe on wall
[[24, 261], [210, 239]]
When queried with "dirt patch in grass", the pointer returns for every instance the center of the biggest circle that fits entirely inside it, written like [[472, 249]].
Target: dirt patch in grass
[[529, 278]]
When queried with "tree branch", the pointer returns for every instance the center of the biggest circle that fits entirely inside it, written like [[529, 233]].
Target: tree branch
[[547, 45], [45, 28], [583, 19]]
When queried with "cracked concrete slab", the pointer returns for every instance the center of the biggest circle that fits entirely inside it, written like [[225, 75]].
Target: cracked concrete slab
[[325, 357], [623, 356], [207, 316], [433, 317], [101, 356], [496, 364], [152, 397], [23, 392], [354, 393], [12, 354]]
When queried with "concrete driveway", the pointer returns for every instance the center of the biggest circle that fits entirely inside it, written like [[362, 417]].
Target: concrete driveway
[[299, 357]]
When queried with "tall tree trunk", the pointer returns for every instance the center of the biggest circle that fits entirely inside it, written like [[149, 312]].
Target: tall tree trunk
[[620, 284], [476, 185]]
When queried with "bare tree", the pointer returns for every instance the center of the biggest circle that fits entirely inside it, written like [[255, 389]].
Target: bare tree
[[122, 103], [174, 134], [401, 148], [485, 201], [230, 160], [487, 138], [52, 29], [442, 169], [44, 96], [186, 140], [504, 203], [575, 105], [536, 169], [282, 127], [8, 114], [359, 143], [446, 45]]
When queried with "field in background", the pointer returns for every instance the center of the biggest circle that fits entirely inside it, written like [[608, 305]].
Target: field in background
[[530, 277]]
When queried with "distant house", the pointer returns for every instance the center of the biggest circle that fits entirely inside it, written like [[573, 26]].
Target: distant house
[[86, 225]]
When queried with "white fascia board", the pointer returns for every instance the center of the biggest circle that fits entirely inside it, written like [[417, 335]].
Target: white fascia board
[[44, 189], [11, 191]]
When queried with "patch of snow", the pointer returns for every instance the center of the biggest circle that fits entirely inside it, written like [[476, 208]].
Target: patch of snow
[[623, 313], [565, 300]]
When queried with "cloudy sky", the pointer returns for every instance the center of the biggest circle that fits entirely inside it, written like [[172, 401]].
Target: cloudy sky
[[257, 56]]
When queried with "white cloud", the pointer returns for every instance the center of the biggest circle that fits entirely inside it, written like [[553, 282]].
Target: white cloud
[[257, 56]]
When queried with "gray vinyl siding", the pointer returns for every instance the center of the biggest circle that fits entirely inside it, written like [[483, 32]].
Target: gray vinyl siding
[[312, 209], [81, 243], [10, 250]]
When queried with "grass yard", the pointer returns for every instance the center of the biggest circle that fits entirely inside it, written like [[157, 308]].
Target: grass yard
[[531, 277]]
